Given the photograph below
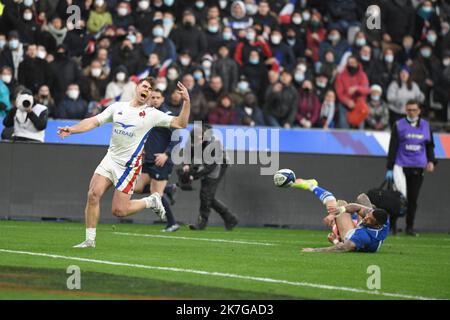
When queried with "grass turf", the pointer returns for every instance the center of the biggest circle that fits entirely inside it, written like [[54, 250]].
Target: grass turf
[[263, 263]]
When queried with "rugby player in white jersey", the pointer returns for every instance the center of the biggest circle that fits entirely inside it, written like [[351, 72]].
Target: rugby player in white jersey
[[122, 164]]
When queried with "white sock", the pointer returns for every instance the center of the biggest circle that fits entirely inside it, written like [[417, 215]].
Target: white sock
[[90, 233], [148, 200]]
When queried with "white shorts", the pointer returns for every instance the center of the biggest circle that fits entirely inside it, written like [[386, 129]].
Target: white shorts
[[124, 178], [350, 233]]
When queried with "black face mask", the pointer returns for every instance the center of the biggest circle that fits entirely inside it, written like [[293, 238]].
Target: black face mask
[[188, 24], [352, 70]]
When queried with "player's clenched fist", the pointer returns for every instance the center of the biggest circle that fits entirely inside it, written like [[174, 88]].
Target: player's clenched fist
[[64, 131], [183, 91]]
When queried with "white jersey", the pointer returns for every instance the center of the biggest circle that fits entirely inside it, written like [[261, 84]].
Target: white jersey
[[131, 126]]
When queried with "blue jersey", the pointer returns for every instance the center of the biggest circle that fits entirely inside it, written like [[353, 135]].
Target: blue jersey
[[368, 239], [159, 141]]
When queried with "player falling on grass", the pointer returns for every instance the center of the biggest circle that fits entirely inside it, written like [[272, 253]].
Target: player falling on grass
[[357, 226], [122, 164]]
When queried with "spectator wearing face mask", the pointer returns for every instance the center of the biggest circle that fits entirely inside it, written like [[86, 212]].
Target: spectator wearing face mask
[[315, 35], [94, 83], [189, 36], [378, 118], [295, 40], [213, 36], [249, 113], [434, 41], [255, 72], [322, 85], [98, 17], [122, 16], [200, 79], [72, 106], [309, 106], [281, 51], [426, 19], [6, 75], [159, 44], [238, 20], [143, 17], [5, 104], [12, 55], [24, 23], [334, 42], [369, 63], [386, 71], [34, 72], [252, 42], [242, 88], [45, 98], [184, 63], [351, 86], [121, 88]]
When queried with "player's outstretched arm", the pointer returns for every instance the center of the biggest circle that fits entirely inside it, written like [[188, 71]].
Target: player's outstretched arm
[[346, 246], [82, 126], [350, 208], [182, 120]]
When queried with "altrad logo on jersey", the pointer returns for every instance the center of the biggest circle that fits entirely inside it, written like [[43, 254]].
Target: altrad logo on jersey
[[123, 130]]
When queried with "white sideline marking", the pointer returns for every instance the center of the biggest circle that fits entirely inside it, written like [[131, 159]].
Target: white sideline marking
[[189, 238], [224, 275]]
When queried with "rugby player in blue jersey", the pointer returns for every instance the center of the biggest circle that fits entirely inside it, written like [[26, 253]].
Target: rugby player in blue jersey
[[358, 226]]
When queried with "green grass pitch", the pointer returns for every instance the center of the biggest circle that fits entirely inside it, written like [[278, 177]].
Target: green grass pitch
[[140, 262]]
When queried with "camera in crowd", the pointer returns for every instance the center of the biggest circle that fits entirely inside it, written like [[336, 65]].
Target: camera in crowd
[[24, 100]]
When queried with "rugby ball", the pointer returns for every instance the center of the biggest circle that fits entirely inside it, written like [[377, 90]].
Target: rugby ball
[[284, 178]]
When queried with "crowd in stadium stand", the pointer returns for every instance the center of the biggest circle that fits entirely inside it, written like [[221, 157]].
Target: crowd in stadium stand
[[280, 63]]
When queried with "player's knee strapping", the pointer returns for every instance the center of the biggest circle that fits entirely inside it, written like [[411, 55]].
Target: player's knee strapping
[[323, 195]]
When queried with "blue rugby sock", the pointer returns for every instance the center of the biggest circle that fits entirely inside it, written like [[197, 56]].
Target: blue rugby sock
[[170, 218], [323, 195]]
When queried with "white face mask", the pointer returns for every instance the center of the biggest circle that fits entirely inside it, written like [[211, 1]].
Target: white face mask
[[185, 61], [121, 76], [207, 64], [412, 120], [161, 86], [299, 76], [96, 72], [6, 78], [73, 94], [143, 5], [122, 11], [99, 3], [389, 58], [275, 39], [41, 54], [297, 20], [243, 86], [27, 16], [446, 62]]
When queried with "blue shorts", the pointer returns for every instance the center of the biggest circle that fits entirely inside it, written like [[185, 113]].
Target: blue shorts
[[157, 173]]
